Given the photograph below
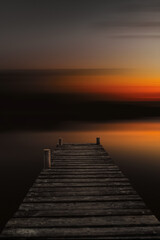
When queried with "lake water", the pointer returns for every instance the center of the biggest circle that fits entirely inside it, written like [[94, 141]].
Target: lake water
[[134, 146]]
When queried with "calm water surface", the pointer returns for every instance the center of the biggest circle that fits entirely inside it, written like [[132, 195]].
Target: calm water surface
[[134, 146]]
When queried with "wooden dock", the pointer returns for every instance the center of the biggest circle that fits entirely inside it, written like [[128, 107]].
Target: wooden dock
[[83, 195]]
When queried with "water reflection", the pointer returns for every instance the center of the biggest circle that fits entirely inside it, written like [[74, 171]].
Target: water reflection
[[134, 146]]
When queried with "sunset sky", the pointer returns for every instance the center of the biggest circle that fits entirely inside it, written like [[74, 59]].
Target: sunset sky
[[78, 70], [107, 48]]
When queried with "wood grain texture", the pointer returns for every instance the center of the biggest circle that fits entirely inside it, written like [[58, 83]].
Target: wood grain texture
[[83, 222], [56, 232], [43, 199], [84, 195], [82, 212]]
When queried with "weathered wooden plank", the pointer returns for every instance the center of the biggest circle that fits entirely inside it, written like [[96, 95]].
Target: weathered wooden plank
[[49, 192], [102, 158], [80, 150], [77, 171], [81, 157], [81, 162], [144, 237], [84, 152], [82, 232], [94, 157], [109, 184], [79, 146], [89, 184], [83, 166], [79, 175], [85, 147], [93, 176], [82, 212], [93, 238], [82, 147], [84, 173], [104, 221], [80, 180], [103, 190], [54, 170], [40, 198], [77, 162], [79, 154], [82, 205]]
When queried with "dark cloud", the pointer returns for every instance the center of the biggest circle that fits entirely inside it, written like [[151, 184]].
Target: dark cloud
[[39, 80], [143, 36], [42, 15], [141, 5], [117, 23], [40, 33], [64, 72]]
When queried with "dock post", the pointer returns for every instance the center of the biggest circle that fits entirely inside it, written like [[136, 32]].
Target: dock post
[[47, 158], [60, 141], [98, 140]]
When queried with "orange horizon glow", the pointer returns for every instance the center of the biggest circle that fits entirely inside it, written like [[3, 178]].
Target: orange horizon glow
[[121, 88]]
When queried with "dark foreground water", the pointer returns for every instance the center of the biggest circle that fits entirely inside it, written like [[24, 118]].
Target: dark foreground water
[[134, 146]]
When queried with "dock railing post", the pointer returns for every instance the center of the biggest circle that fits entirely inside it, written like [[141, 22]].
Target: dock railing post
[[60, 141], [98, 140], [47, 158]]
